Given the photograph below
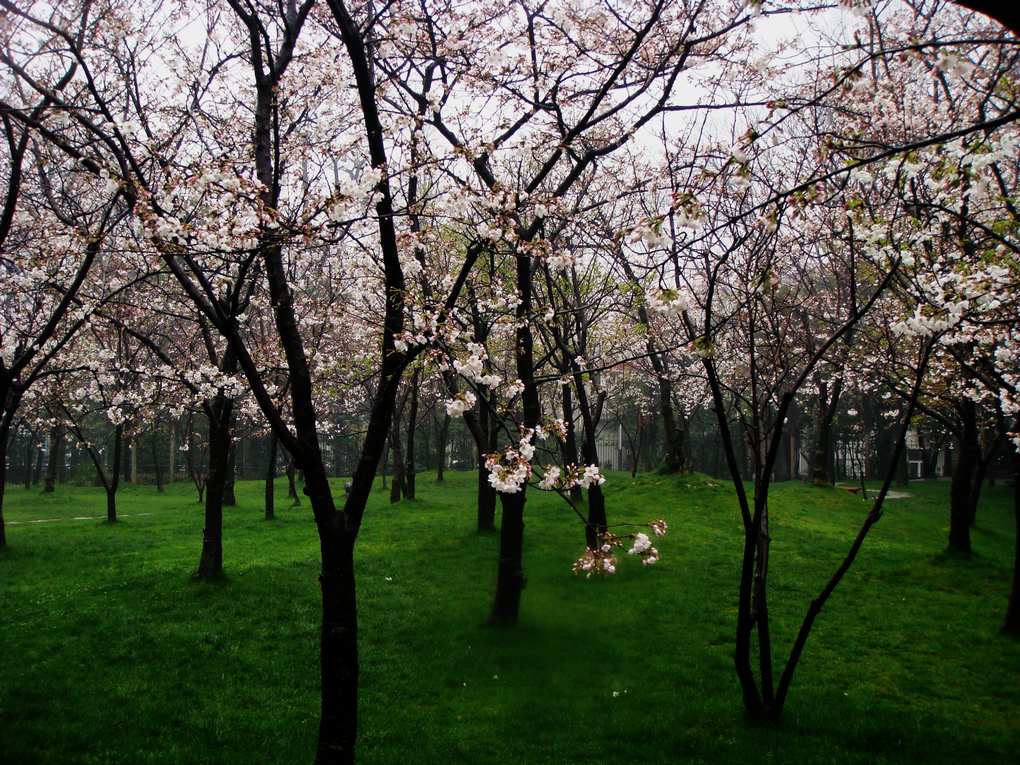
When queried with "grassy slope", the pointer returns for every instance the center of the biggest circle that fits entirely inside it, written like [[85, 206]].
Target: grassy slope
[[110, 654]]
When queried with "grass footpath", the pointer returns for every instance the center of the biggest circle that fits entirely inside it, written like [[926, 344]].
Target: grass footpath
[[109, 653]]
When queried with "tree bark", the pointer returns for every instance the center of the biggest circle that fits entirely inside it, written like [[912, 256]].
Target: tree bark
[[412, 425], [37, 469], [271, 477], [968, 454], [444, 434], [56, 458], [114, 483], [229, 497], [5, 427], [292, 493], [210, 563], [396, 449], [1011, 624], [171, 454], [29, 460], [510, 570], [157, 468], [821, 453]]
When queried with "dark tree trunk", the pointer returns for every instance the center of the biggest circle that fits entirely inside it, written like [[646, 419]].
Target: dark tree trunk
[[229, 497], [568, 446], [171, 452], [674, 460], [412, 425], [5, 427], [210, 563], [115, 468], [1011, 624], [189, 462], [902, 468], [444, 434], [510, 571], [292, 493], [597, 522], [821, 453], [38, 468], [156, 466], [338, 657], [56, 458], [486, 499], [980, 471], [968, 454], [489, 431], [271, 477], [396, 449], [29, 460]]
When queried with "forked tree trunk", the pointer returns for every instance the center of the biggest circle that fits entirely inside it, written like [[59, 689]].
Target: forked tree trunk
[[675, 458]]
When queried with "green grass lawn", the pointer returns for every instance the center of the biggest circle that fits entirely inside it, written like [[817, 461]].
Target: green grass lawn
[[110, 653]]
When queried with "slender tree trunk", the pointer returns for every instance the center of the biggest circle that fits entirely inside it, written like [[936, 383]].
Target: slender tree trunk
[[114, 483], [271, 477], [444, 434], [396, 448], [29, 459], [412, 425], [157, 468], [597, 522], [37, 470], [171, 455], [56, 458], [5, 428], [1011, 624], [489, 432], [568, 446]]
